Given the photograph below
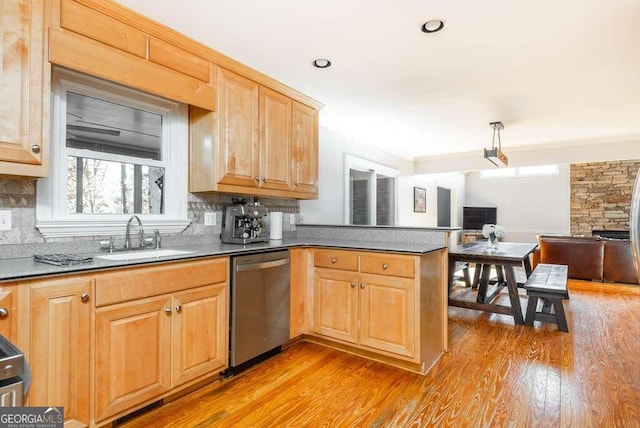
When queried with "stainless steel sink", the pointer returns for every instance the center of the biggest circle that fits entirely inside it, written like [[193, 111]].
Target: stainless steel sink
[[142, 254]]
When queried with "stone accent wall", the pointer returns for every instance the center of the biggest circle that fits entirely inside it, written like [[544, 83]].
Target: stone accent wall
[[601, 195]]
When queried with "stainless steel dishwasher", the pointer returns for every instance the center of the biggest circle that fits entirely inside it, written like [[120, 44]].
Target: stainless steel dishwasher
[[259, 306]]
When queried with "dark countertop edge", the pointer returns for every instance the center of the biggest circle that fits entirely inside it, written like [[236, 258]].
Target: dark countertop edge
[[39, 270], [367, 226]]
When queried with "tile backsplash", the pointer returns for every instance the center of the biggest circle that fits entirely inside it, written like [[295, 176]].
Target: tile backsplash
[[24, 239]]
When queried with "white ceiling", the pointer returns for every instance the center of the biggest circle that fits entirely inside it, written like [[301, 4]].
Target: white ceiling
[[553, 71]]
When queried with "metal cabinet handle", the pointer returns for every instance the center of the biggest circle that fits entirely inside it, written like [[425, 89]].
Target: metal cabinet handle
[[84, 297], [4, 312], [35, 148], [353, 285], [167, 311], [362, 285], [333, 260], [264, 179], [178, 308], [384, 266], [257, 178]]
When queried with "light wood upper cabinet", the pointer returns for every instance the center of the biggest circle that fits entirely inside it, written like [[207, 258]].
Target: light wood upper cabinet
[[305, 149], [104, 39], [275, 140], [239, 161], [24, 89], [257, 142], [60, 344]]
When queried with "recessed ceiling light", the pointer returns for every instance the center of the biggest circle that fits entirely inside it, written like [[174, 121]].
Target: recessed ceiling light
[[321, 63], [433, 26]]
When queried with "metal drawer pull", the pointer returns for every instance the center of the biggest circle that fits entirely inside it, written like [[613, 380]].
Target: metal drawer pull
[[167, 311], [384, 266], [333, 260], [178, 308], [353, 285], [84, 297], [362, 285], [35, 149], [4, 312]]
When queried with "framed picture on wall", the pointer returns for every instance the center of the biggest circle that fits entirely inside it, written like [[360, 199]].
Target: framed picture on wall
[[419, 200]]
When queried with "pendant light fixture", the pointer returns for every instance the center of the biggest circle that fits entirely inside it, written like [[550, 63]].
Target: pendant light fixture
[[494, 154]]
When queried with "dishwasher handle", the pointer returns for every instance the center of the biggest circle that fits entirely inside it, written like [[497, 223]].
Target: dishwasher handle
[[261, 265]]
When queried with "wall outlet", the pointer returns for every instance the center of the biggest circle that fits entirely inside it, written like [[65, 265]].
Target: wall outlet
[[292, 219], [209, 219], [5, 219]]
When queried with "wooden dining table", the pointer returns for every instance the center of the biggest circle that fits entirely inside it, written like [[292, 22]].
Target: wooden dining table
[[507, 256]]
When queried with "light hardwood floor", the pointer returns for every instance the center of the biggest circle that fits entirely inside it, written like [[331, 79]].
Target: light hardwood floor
[[495, 374]]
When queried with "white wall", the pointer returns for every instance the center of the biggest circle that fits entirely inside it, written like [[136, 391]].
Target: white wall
[[329, 207], [453, 181], [527, 206]]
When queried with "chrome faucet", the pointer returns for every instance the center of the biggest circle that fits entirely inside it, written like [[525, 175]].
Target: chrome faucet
[[127, 239]]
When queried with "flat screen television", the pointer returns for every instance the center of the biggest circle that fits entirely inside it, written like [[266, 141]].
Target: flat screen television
[[473, 218]]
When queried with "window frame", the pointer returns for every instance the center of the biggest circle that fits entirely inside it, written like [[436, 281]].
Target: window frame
[[52, 216], [360, 164]]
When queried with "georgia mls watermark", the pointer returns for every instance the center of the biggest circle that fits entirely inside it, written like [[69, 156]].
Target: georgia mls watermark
[[31, 417]]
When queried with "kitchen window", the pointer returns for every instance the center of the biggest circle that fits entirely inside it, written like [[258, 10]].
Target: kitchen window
[[371, 193], [115, 152]]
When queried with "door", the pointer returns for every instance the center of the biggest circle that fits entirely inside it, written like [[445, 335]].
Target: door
[[444, 207], [133, 354], [238, 117], [199, 333], [23, 130], [387, 314], [59, 354], [335, 311], [275, 140], [305, 148]]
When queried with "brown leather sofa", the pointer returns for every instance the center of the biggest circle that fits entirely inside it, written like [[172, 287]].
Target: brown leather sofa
[[590, 258]]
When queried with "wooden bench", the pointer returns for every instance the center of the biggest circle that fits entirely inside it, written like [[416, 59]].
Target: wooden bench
[[548, 282]]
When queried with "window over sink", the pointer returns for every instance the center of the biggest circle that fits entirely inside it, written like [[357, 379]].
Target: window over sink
[[115, 152]]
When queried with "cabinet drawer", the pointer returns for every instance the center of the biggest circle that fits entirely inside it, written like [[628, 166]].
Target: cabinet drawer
[[141, 282], [336, 259], [388, 264]]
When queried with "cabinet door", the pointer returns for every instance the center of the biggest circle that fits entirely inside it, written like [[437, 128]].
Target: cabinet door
[[336, 304], [8, 317], [238, 117], [305, 149], [200, 327], [275, 140], [387, 314], [23, 132], [133, 354], [60, 340]]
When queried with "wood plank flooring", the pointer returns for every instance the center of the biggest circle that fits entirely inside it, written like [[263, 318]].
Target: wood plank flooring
[[495, 374]]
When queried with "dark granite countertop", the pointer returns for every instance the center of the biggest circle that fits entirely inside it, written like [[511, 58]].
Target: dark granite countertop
[[26, 268]]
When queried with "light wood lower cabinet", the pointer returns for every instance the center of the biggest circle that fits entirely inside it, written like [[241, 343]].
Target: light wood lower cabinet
[[148, 347], [133, 354], [145, 348], [60, 345], [369, 310], [8, 308], [384, 306]]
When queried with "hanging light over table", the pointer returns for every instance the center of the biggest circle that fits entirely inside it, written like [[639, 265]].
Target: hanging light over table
[[494, 154]]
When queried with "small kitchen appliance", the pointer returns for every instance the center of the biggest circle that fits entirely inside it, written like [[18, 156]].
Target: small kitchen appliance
[[244, 223]]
